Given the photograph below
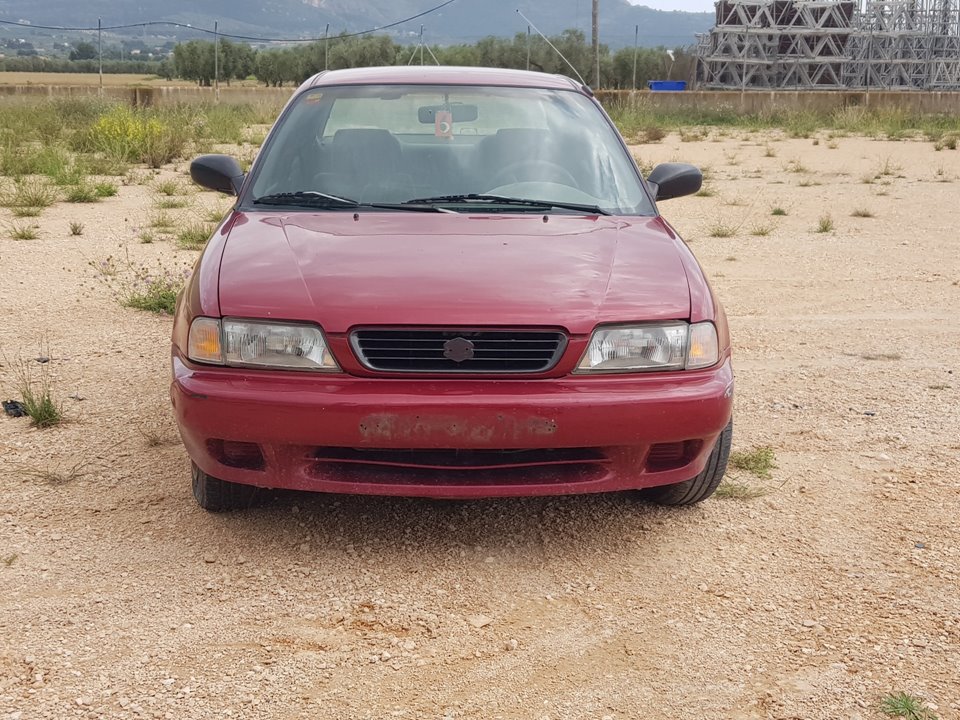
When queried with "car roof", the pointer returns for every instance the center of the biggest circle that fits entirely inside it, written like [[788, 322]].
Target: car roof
[[441, 75]]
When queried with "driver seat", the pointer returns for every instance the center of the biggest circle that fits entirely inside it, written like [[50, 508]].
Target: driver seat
[[510, 146]]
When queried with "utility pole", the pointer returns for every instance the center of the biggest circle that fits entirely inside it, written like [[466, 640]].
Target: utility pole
[[100, 52], [528, 47], [326, 48], [216, 61], [421, 44], [636, 38], [596, 44]]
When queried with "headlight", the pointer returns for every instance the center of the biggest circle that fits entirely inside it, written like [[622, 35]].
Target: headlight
[[250, 343], [645, 348]]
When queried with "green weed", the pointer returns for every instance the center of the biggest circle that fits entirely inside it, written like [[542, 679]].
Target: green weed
[[36, 394], [194, 236], [759, 461], [908, 707]]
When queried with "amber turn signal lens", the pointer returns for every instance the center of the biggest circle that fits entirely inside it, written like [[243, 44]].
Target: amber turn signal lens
[[704, 349], [204, 343]]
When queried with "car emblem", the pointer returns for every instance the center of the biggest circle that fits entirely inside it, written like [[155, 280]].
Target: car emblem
[[458, 349]]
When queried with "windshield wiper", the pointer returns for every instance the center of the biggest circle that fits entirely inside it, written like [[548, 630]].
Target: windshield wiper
[[306, 198], [312, 198], [474, 198]]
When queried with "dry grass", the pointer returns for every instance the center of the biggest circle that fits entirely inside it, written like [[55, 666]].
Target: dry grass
[[735, 490], [91, 80], [59, 474]]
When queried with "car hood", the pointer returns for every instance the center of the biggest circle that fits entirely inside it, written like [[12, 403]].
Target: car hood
[[343, 270]]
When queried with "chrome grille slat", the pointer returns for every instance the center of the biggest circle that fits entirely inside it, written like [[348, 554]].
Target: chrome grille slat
[[491, 351]]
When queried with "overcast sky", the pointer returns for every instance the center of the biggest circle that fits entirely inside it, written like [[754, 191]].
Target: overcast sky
[[688, 5]]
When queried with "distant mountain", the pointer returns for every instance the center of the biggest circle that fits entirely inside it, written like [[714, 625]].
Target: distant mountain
[[462, 21]]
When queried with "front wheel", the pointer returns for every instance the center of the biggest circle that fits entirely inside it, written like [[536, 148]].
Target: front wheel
[[703, 485], [215, 495]]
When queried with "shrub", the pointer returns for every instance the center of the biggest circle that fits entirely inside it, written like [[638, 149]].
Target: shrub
[[82, 194], [105, 189], [29, 194], [19, 160], [23, 232], [194, 236], [155, 291], [133, 136], [37, 396]]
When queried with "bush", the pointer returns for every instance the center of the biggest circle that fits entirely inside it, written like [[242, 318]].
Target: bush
[[154, 290], [133, 136]]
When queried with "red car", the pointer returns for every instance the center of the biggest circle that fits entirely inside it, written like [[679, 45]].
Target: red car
[[450, 283]]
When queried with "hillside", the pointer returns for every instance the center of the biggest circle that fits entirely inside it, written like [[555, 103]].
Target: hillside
[[463, 21]]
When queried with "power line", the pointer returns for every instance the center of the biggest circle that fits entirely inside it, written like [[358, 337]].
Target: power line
[[170, 23]]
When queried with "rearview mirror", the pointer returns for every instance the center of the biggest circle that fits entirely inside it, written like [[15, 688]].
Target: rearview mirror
[[217, 172], [673, 180], [460, 112]]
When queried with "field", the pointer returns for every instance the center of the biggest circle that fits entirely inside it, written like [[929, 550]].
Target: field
[[820, 581], [84, 79]]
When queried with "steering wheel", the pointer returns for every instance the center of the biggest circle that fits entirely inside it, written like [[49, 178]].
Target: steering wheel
[[533, 170]]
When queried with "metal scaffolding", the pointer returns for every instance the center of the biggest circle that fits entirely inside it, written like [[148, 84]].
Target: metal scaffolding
[[826, 44]]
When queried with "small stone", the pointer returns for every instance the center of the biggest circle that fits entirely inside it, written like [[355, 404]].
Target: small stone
[[209, 559], [479, 621], [809, 623], [83, 701], [409, 645], [920, 545], [511, 644]]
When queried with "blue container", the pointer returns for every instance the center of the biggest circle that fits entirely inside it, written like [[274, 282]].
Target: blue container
[[667, 85]]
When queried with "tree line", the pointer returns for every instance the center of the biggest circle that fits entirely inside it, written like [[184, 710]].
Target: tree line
[[196, 60]]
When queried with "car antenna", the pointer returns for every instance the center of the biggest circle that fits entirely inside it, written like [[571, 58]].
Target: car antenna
[[584, 82]]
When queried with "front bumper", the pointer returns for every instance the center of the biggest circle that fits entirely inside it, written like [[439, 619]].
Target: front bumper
[[443, 438]]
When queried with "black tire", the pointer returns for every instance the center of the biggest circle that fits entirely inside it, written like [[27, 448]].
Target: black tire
[[703, 485], [215, 495]]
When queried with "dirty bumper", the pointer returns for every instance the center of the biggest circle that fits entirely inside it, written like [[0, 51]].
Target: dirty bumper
[[450, 438]]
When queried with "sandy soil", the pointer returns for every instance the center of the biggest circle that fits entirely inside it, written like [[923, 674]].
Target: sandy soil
[[119, 598]]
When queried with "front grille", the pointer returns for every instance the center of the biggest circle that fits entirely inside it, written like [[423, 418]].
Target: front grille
[[461, 459], [458, 351], [463, 468]]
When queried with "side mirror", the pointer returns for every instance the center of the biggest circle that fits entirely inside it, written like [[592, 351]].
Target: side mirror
[[673, 180], [217, 172]]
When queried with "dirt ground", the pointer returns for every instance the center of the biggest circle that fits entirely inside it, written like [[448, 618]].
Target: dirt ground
[[119, 598]]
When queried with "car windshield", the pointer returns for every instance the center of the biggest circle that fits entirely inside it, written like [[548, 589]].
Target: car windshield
[[444, 146]]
